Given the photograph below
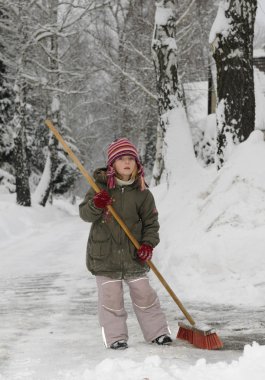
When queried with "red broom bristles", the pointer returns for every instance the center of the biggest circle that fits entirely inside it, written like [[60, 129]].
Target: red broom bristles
[[201, 339], [185, 334], [208, 342]]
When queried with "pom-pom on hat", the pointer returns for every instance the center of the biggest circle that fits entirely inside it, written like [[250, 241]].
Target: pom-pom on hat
[[118, 148]]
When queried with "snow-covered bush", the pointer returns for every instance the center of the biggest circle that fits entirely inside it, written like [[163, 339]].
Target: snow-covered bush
[[7, 180], [204, 140]]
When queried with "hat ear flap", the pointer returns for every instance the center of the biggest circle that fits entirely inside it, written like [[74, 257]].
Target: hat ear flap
[[142, 183], [141, 176], [111, 177]]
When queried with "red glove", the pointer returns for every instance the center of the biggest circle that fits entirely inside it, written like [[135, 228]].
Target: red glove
[[102, 199], [145, 252]]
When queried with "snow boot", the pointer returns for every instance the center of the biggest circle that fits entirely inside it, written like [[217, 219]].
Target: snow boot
[[163, 340], [119, 345]]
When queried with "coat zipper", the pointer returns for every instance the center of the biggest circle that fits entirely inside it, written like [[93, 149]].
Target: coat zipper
[[122, 191], [122, 253]]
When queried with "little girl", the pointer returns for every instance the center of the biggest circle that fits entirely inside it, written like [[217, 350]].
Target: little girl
[[111, 256]]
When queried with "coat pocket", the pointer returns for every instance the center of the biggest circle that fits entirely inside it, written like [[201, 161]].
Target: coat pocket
[[100, 232], [99, 244]]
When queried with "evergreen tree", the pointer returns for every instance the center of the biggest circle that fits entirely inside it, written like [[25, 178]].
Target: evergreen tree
[[7, 178], [33, 53], [6, 139]]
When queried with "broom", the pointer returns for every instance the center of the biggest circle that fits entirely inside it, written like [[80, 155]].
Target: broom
[[199, 336]]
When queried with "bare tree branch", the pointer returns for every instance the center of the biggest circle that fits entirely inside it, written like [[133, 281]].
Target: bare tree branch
[[138, 52], [185, 13], [135, 81]]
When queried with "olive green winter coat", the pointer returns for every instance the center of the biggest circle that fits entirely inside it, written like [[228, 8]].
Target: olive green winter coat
[[109, 251]]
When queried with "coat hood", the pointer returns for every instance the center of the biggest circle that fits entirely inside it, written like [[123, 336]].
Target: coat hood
[[100, 175]]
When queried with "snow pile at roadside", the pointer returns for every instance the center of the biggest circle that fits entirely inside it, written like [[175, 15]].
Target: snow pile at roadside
[[18, 221], [259, 98], [250, 365], [213, 227]]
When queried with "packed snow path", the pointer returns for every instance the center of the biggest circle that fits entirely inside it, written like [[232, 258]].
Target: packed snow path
[[48, 312]]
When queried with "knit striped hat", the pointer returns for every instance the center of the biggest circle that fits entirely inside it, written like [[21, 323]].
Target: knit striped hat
[[118, 148]]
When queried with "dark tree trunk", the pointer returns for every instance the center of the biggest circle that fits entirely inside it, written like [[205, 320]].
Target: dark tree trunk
[[233, 54], [22, 170], [20, 156], [20, 115]]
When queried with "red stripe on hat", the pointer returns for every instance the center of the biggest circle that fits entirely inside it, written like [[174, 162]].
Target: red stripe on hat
[[121, 147]]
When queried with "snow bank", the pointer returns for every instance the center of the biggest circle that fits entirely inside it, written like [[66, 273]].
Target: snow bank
[[259, 77], [213, 227], [179, 157], [18, 221], [250, 365], [196, 98]]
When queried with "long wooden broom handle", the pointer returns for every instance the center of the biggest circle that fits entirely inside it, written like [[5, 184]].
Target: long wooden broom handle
[[118, 219]]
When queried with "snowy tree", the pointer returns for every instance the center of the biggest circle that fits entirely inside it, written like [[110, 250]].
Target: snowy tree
[[65, 79], [6, 138], [20, 110], [121, 39], [38, 71], [52, 168], [91, 59], [170, 94], [17, 43], [231, 38], [116, 47]]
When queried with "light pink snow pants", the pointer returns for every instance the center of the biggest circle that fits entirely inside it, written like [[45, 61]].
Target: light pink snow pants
[[113, 316]]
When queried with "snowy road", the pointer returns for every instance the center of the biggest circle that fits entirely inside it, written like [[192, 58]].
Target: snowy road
[[48, 316]]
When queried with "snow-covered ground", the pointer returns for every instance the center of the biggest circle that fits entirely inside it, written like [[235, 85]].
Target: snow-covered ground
[[211, 252]]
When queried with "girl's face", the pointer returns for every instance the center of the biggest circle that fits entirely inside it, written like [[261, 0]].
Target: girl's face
[[125, 166]]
